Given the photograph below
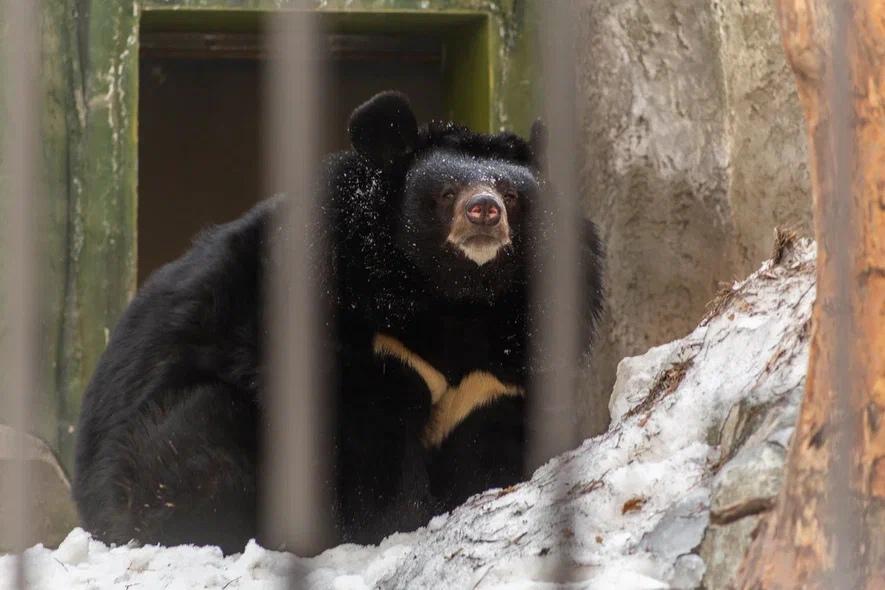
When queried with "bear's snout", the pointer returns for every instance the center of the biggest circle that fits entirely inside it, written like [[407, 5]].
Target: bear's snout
[[480, 227], [483, 209]]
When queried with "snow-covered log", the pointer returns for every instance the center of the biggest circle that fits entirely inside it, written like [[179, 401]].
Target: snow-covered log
[[666, 498]]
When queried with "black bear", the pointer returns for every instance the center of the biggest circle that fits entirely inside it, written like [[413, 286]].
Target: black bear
[[430, 240]]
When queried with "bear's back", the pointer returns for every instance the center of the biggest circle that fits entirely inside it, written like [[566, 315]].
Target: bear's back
[[195, 317]]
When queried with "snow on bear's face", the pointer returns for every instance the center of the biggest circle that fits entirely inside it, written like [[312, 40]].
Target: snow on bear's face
[[463, 218], [472, 206]]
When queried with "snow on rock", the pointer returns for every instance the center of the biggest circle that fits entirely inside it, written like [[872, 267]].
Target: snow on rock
[[695, 423], [636, 375]]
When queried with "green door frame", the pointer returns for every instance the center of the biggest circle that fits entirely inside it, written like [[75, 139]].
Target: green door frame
[[465, 36], [90, 131]]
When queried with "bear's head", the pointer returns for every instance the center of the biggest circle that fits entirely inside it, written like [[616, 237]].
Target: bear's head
[[461, 200]]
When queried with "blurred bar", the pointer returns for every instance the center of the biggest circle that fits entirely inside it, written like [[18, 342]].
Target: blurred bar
[[295, 507], [557, 287], [843, 241], [18, 283]]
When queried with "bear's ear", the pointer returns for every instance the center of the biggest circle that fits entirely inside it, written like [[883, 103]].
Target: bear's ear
[[383, 129], [538, 143]]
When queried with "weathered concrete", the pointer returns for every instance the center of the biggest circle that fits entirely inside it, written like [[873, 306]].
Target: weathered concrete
[[694, 152], [769, 182]]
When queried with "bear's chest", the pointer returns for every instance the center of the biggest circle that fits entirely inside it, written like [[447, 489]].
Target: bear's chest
[[466, 362], [458, 344]]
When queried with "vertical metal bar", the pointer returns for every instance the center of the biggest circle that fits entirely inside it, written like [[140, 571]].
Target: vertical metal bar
[[20, 129], [844, 507], [557, 287], [296, 442]]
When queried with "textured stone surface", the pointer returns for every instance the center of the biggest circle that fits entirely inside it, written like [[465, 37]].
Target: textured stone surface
[[768, 176], [748, 483], [693, 153], [750, 424], [753, 443], [52, 510], [723, 549]]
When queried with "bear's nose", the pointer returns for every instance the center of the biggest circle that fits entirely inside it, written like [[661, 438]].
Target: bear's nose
[[483, 209]]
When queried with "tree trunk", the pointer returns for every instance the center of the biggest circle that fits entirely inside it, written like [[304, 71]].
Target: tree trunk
[[827, 529]]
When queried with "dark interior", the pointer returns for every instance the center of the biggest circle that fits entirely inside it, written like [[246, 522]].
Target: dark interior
[[200, 114]]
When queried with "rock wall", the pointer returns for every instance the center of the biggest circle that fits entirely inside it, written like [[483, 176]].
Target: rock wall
[[694, 152]]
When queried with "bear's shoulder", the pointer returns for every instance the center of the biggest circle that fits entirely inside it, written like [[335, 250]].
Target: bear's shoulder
[[220, 255], [215, 282]]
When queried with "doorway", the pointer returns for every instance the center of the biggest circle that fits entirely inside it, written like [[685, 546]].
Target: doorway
[[200, 115]]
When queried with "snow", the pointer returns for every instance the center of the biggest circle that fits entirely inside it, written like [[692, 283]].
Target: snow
[[626, 510]]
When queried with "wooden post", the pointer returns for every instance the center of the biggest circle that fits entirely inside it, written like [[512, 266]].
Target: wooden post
[[827, 529]]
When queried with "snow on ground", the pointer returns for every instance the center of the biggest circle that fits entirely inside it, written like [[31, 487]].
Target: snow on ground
[[624, 511]]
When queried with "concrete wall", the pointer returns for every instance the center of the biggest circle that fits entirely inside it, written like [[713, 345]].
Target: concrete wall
[[694, 152]]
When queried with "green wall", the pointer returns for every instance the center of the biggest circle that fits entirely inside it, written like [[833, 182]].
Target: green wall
[[90, 67]]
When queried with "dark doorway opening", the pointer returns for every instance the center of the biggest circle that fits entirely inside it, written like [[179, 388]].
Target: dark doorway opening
[[200, 115]]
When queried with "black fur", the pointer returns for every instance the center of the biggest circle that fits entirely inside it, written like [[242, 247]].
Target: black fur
[[384, 128], [168, 442]]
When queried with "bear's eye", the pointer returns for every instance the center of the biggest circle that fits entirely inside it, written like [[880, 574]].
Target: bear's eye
[[447, 195], [510, 196]]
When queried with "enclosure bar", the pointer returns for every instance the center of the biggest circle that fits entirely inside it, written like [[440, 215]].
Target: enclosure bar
[[843, 506], [20, 128], [556, 286], [553, 420], [296, 443]]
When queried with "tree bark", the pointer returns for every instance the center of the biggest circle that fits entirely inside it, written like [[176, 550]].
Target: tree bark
[[827, 529]]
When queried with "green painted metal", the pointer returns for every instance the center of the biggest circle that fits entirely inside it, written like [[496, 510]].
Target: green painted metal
[[504, 50], [90, 77], [468, 63]]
